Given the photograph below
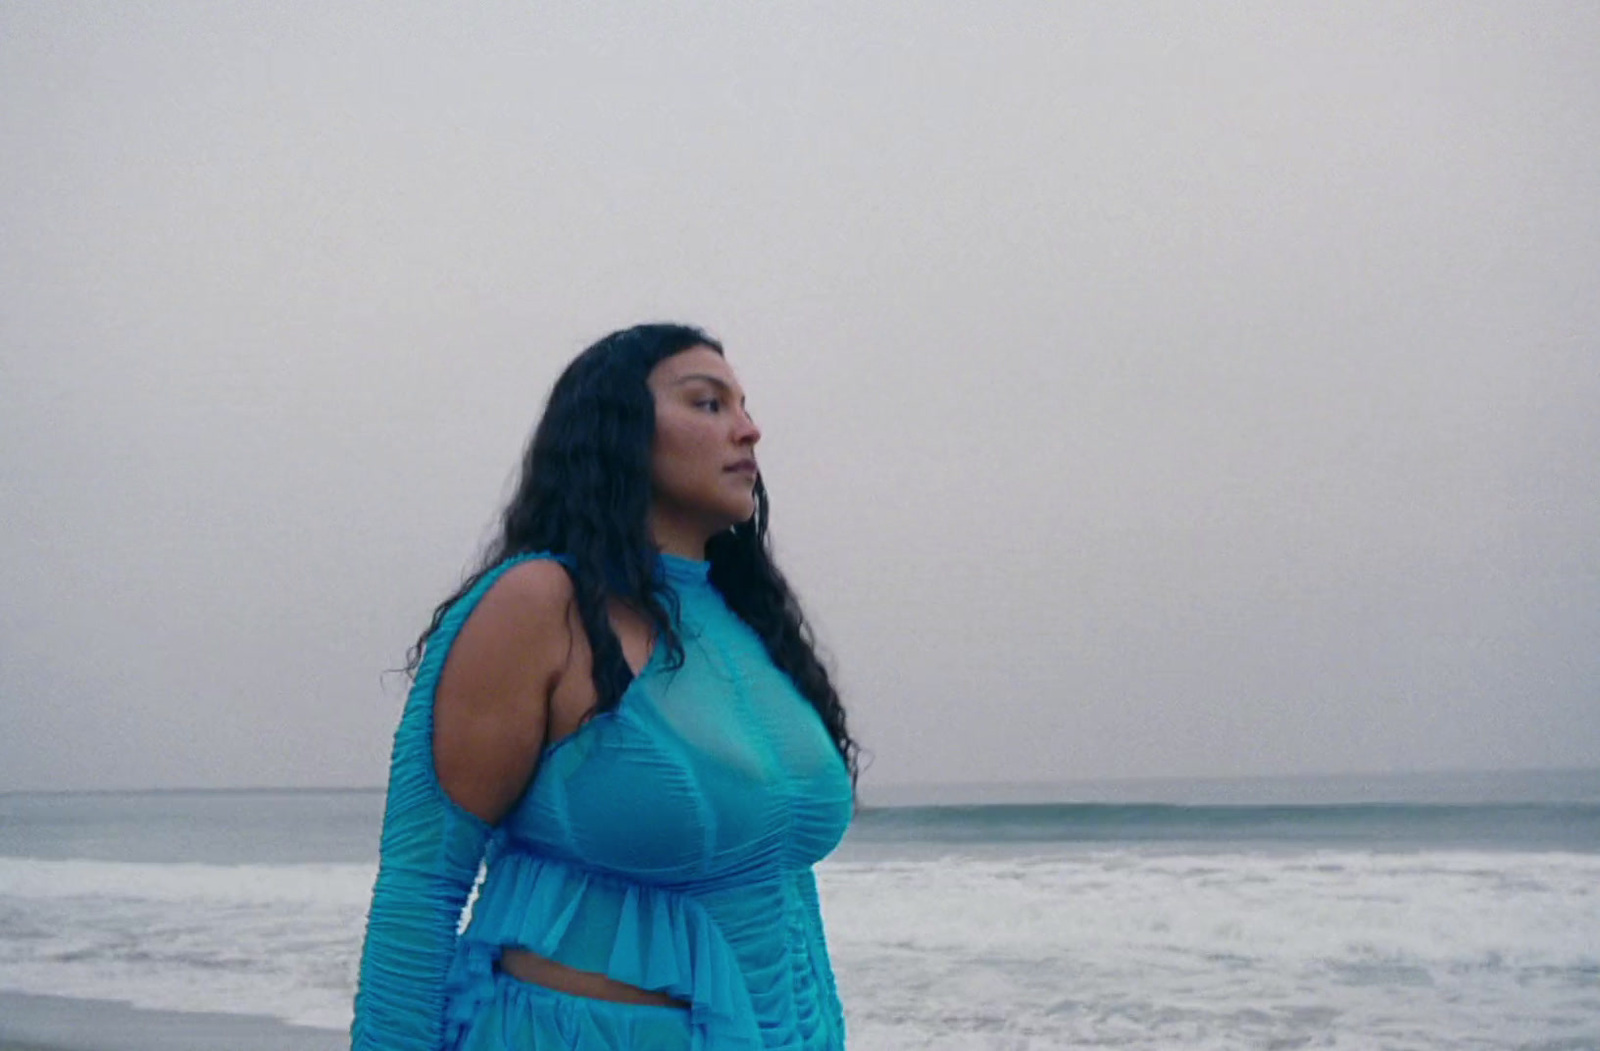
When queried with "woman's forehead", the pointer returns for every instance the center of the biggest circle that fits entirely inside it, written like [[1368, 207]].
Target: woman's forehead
[[696, 363]]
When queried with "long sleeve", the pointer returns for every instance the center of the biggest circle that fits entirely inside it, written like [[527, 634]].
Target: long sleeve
[[428, 861]]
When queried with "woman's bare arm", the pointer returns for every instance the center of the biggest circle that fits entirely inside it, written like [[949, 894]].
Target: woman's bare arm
[[493, 698]]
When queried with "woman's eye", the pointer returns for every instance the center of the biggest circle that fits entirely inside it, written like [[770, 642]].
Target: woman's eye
[[709, 404]]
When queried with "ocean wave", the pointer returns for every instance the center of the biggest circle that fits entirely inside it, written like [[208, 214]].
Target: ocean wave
[[1132, 948], [1571, 826]]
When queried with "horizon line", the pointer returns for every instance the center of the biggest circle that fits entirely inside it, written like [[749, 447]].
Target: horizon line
[[891, 785]]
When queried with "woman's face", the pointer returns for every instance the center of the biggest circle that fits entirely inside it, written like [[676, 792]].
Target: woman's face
[[703, 460]]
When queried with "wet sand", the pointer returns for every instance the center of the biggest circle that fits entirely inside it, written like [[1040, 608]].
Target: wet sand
[[59, 1023]]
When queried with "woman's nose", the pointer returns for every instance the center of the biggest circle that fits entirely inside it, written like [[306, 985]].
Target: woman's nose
[[746, 431]]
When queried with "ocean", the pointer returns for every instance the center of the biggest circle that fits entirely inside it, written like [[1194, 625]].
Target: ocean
[[1417, 912]]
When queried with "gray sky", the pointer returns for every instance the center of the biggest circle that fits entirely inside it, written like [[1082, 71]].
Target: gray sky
[[1149, 390]]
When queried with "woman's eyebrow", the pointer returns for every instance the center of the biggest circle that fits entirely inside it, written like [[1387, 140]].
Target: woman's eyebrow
[[715, 381]]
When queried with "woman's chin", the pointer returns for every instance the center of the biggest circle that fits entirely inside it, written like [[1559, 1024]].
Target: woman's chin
[[738, 515]]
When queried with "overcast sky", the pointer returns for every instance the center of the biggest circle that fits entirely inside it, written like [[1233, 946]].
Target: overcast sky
[[1148, 389]]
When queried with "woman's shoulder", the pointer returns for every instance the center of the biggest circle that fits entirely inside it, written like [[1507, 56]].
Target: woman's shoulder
[[527, 593], [538, 580]]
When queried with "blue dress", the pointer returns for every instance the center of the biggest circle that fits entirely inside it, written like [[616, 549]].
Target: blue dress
[[668, 844]]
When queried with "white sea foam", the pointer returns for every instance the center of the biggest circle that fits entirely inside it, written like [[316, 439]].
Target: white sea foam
[[1126, 948], [1144, 950], [279, 940]]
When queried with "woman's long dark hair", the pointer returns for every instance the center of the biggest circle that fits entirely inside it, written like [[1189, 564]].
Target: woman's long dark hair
[[584, 492]]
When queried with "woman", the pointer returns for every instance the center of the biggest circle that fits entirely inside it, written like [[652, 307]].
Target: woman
[[621, 714]]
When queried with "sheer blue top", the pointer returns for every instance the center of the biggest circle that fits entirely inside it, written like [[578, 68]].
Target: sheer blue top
[[668, 844]]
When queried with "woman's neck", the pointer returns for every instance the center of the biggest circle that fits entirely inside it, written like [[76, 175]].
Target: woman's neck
[[677, 538]]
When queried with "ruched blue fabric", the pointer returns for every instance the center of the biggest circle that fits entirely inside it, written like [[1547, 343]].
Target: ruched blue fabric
[[667, 844]]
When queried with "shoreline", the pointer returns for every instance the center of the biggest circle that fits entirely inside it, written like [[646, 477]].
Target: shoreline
[[30, 1022]]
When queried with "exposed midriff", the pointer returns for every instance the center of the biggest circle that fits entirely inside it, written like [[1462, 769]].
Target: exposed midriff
[[538, 970]]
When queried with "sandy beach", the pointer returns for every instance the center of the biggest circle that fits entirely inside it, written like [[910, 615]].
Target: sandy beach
[[58, 1023]]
